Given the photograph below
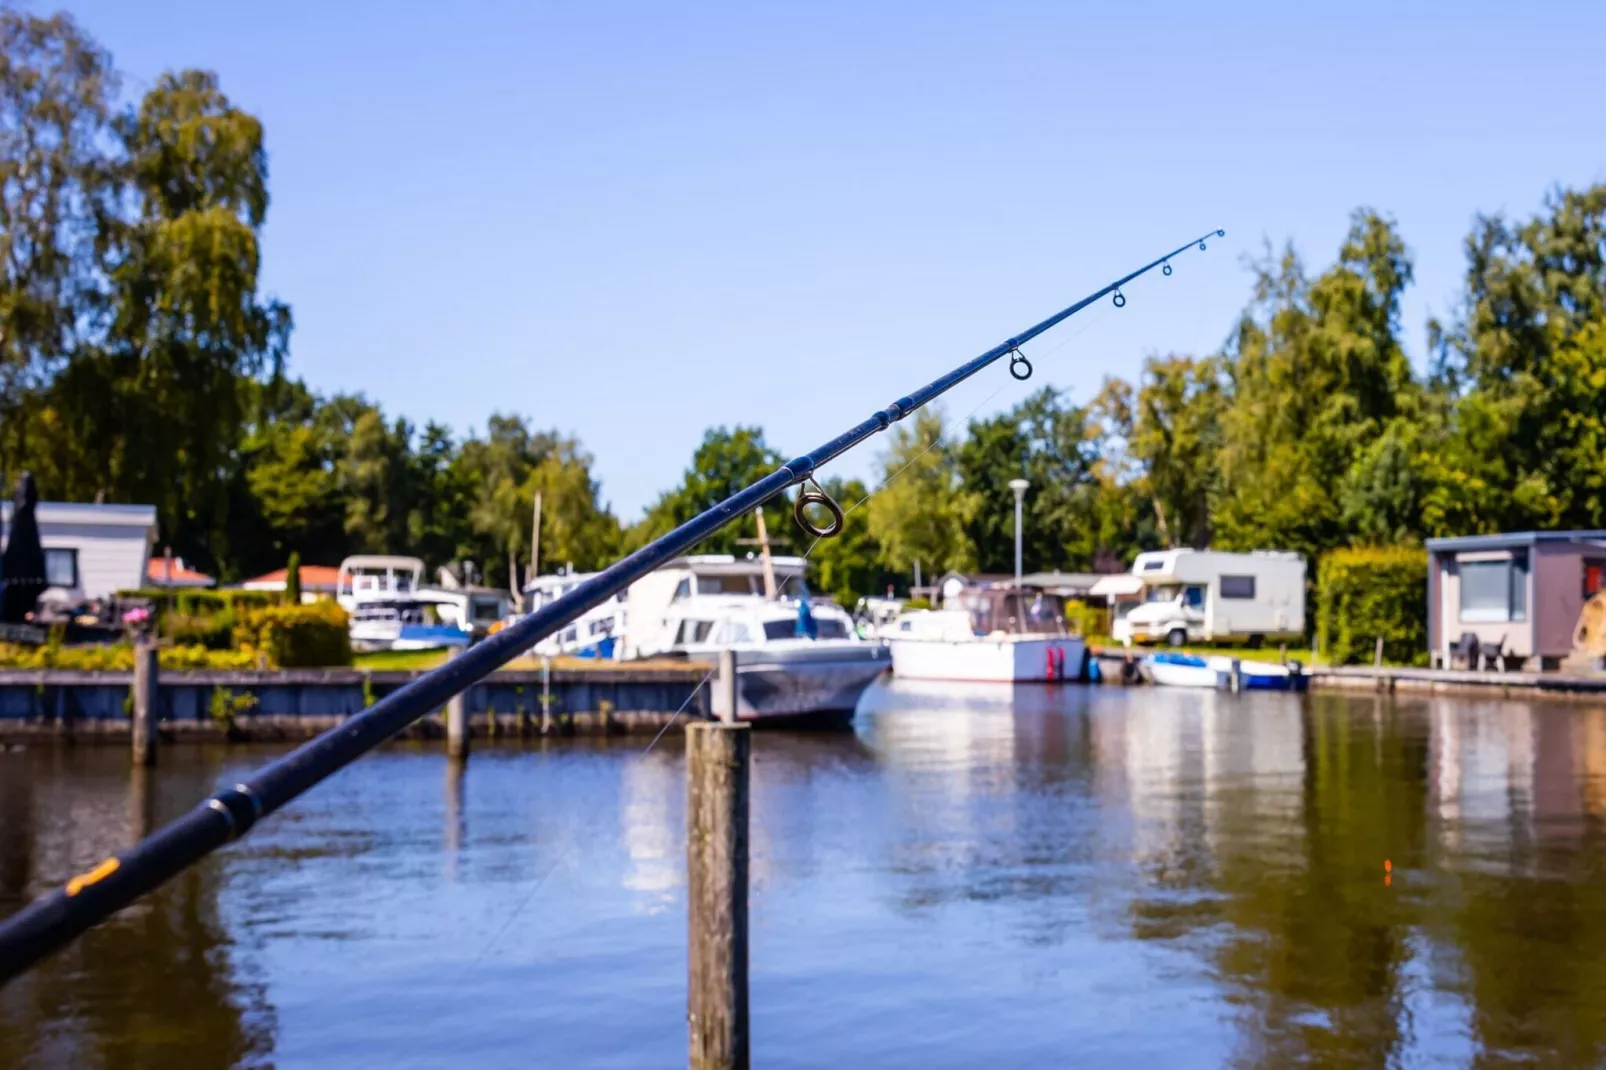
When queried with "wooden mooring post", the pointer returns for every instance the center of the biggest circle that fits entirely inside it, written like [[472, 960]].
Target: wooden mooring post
[[725, 692], [717, 765], [457, 725], [146, 682]]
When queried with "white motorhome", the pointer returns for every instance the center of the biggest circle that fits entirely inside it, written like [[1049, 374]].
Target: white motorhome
[[1203, 596], [655, 600]]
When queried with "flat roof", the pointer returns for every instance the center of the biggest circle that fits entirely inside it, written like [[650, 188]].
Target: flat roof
[[1509, 539], [88, 513]]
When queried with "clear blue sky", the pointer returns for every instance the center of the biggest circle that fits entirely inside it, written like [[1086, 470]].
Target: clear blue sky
[[632, 222]]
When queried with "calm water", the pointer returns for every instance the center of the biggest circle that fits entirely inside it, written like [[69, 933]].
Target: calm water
[[1081, 877]]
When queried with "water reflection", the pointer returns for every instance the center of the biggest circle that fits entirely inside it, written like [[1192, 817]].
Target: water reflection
[[978, 875], [157, 987]]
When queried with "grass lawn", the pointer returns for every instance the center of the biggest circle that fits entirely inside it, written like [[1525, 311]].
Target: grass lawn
[[410, 660]]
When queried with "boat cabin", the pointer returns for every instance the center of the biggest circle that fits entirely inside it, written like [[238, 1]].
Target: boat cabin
[[687, 582], [364, 577]]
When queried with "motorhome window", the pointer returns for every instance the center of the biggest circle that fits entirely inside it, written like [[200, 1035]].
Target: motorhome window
[[61, 568], [1238, 587], [1166, 592], [1194, 597], [1594, 574], [1494, 590], [1155, 565]]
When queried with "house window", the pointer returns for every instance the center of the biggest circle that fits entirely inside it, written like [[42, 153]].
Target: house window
[[1594, 572], [1238, 587], [61, 568], [1494, 590]]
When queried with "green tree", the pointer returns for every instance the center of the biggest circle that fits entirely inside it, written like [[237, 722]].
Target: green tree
[[850, 566], [727, 460], [292, 579], [1526, 446], [57, 107], [1317, 373], [920, 514], [1176, 439]]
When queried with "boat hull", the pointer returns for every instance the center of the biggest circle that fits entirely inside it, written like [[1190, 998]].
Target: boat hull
[[1174, 670], [805, 684], [1048, 659]]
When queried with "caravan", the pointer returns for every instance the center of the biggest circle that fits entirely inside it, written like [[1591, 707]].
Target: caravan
[[1202, 596]]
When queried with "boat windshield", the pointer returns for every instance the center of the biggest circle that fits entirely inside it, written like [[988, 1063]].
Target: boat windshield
[[1016, 612], [405, 612], [828, 628]]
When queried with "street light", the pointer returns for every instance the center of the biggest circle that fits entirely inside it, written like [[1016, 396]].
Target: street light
[[1019, 487]]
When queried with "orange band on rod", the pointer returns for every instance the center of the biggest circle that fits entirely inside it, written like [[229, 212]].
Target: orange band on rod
[[99, 873]]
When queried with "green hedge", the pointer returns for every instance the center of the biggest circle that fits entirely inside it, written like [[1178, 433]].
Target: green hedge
[[118, 656], [1369, 592], [296, 637], [1086, 620]]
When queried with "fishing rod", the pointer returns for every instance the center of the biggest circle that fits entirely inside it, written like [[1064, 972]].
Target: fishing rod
[[51, 921]]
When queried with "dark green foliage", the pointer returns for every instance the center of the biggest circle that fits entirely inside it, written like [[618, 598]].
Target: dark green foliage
[[1367, 592]]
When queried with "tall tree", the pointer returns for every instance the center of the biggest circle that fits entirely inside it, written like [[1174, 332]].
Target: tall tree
[[727, 460], [1527, 447], [57, 182], [1316, 373], [921, 511], [1176, 437]]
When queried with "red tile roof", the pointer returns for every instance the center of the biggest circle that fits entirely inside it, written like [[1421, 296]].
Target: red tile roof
[[313, 578], [157, 572]]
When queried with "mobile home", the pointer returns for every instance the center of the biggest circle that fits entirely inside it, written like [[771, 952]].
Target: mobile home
[[91, 551], [1519, 592], [1203, 596]]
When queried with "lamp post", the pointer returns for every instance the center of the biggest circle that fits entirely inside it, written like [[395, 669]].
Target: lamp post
[[1019, 487]]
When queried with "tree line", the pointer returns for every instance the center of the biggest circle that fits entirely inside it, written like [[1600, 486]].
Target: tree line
[[139, 362]]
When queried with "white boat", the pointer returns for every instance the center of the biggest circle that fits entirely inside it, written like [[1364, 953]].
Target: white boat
[[994, 634], [1190, 670], [596, 633], [782, 671], [404, 622], [370, 577], [391, 609], [877, 618], [797, 658]]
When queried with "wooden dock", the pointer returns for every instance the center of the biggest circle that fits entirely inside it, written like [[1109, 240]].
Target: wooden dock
[[299, 703], [1459, 681]]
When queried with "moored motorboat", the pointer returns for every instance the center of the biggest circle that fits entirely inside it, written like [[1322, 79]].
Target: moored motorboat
[[1191, 670], [999, 635], [798, 660]]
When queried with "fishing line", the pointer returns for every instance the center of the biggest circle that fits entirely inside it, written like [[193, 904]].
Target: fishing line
[[568, 851]]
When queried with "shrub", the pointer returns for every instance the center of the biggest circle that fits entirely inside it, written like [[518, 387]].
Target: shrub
[[201, 603], [297, 637], [214, 632], [1086, 620], [118, 656], [1365, 593]]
